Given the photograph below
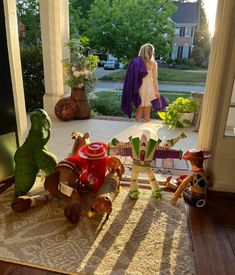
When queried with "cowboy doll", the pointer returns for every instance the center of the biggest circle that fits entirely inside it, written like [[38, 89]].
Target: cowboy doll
[[194, 186]]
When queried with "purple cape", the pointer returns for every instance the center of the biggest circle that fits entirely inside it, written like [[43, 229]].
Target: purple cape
[[136, 71]]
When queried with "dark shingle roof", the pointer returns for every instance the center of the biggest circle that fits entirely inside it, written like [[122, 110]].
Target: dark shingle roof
[[186, 13]]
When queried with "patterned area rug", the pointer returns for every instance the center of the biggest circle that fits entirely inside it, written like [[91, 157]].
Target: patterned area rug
[[146, 236]]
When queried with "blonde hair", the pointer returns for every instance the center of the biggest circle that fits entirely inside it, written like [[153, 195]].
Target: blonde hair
[[147, 52]]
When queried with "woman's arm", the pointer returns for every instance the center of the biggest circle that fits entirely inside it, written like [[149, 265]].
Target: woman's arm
[[155, 81]]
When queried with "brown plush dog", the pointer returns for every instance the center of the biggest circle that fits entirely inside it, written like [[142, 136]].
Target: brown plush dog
[[109, 189]]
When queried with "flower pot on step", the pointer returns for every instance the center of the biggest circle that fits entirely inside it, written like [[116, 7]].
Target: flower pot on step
[[80, 97], [186, 119]]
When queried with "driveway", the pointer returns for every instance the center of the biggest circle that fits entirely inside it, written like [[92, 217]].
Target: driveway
[[117, 86], [101, 72]]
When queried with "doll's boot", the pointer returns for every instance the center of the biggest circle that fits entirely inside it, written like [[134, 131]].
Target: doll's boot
[[134, 194], [157, 194]]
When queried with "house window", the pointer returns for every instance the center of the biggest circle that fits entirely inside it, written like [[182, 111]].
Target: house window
[[174, 51], [177, 32], [182, 31], [188, 31], [180, 51], [185, 53], [192, 31], [189, 52]]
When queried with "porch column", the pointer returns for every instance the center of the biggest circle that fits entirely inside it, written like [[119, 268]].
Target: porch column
[[215, 90], [217, 98], [55, 31], [65, 35], [15, 67]]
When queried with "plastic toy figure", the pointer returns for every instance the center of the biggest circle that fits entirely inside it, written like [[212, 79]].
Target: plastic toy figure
[[194, 186], [109, 189], [33, 154], [65, 179], [144, 148]]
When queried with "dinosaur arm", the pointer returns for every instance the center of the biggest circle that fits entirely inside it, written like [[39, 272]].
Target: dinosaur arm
[[46, 135], [45, 160]]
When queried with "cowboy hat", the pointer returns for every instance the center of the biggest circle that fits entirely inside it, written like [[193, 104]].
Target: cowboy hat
[[94, 150], [195, 154]]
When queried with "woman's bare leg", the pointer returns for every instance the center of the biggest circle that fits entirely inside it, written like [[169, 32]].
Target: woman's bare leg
[[147, 111], [138, 113]]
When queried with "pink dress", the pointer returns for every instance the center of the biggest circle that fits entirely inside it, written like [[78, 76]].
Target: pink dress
[[147, 90]]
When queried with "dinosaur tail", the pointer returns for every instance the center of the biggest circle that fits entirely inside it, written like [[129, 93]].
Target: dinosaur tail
[[5, 184]]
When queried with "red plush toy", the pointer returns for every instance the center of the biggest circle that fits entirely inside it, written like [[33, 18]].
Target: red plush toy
[[92, 159], [83, 171]]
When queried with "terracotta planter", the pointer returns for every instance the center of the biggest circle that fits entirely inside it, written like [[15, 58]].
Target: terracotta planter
[[84, 108], [186, 119]]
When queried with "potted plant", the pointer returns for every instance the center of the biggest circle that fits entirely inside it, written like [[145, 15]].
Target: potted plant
[[78, 73], [180, 113]]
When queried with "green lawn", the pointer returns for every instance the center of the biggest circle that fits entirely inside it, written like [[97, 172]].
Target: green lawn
[[168, 75], [108, 103]]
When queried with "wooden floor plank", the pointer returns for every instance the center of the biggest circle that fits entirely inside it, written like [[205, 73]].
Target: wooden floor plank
[[231, 236], [227, 217], [212, 248]]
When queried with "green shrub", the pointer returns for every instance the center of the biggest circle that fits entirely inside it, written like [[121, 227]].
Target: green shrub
[[107, 103], [198, 56], [33, 77], [184, 64]]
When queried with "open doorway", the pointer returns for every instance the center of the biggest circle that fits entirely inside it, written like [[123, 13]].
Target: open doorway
[[176, 73]]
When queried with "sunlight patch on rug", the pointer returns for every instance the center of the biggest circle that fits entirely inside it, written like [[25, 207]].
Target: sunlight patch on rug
[[146, 236]]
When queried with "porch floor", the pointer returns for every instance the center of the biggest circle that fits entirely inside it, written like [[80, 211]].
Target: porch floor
[[104, 130], [212, 229]]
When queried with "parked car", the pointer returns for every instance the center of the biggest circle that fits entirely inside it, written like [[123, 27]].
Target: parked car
[[111, 65], [102, 63], [102, 59]]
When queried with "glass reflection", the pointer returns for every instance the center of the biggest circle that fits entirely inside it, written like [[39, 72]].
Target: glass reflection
[[230, 124]]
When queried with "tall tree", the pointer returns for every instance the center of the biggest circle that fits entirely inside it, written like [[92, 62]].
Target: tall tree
[[28, 12], [122, 26], [74, 18], [78, 13], [202, 35]]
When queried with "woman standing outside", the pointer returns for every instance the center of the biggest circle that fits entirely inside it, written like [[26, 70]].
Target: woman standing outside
[[149, 88]]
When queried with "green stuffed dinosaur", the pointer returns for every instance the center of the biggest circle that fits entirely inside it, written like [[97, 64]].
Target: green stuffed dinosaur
[[33, 154]]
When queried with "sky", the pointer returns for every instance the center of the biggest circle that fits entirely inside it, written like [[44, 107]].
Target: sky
[[210, 9]]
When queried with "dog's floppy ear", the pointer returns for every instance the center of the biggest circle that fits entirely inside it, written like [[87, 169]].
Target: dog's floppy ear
[[86, 135]]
